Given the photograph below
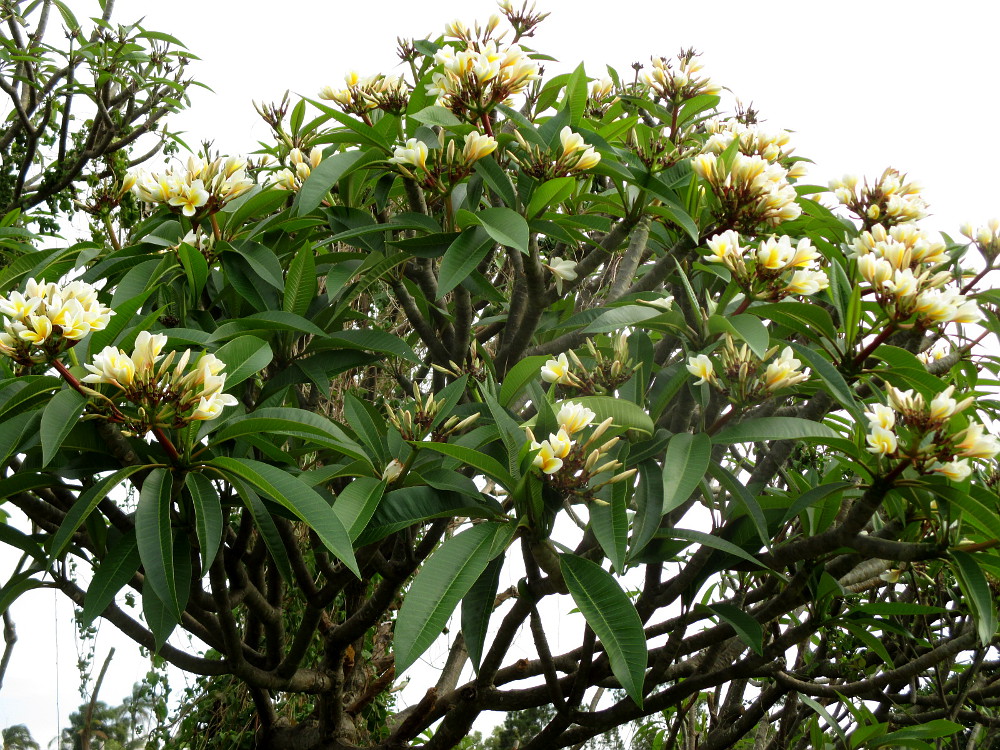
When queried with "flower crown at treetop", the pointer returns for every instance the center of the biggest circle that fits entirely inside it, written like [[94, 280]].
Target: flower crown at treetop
[[197, 189]]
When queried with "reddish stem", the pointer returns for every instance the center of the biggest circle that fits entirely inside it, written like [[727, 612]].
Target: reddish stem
[[168, 446], [875, 344], [487, 125]]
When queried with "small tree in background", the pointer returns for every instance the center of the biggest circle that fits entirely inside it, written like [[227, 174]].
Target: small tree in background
[[589, 334]]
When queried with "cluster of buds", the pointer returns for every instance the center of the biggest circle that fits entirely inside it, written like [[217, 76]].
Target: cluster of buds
[[388, 93], [751, 190], [604, 376], [479, 76], [302, 167], [772, 271], [744, 377], [414, 420], [573, 157], [438, 170], [890, 201], [676, 83], [160, 397], [200, 188], [569, 463], [986, 238], [600, 96], [899, 263], [524, 19], [48, 319], [753, 141], [919, 433]]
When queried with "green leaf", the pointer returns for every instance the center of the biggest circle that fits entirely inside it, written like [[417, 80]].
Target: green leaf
[[614, 620], [207, 516], [684, 465], [406, 506], [329, 172], [812, 496], [744, 497], [462, 257], [977, 591], [774, 428], [830, 375], [444, 579], [649, 506], [244, 356], [195, 268], [155, 538], [746, 627], [435, 115], [553, 191], [84, 506], [831, 722], [474, 458], [60, 416], [506, 226], [158, 616], [117, 569], [811, 320], [477, 608], [520, 375], [357, 502], [710, 540], [300, 284], [610, 523], [746, 328], [269, 320], [298, 497], [498, 180], [930, 730]]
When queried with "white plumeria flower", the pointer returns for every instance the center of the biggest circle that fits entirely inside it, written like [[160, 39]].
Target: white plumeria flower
[[880, 415], [210, 408], [701, 367], [477, 146], [977, 443], [557, 370], [957, 471], [147, 350], [413, 153], [725, 248], [881, 441], [574, 417], [943, 406], [905, 402], [392, 470], [111, 366], [784, 371], [807, 283], [562, 269]]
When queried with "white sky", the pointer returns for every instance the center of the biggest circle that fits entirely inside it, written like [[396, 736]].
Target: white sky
[[865, 85]]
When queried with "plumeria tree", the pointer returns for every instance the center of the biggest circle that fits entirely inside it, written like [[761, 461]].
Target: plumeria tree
[[592, 337]]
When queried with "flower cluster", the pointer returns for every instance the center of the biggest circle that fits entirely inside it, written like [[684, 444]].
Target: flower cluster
[[388, 93], [753, 141], [912, 430], [987, 238], [439, 169], [890, 201], [899, 263], [751, 190], [744, 377], [48, 319], [574, 156], [604, 376], [480, 75], [303, 165], [161, 397], [677, 82], [568, 462], [772, 271], [198, 189]]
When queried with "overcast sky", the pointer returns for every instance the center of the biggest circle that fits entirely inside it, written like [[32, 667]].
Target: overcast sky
[[864, 85]]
